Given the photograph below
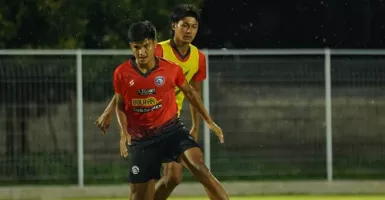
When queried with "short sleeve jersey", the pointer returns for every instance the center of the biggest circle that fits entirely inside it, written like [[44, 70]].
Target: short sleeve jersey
[[149, 98]]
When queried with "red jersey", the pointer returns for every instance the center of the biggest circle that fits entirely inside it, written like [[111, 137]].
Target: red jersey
[[149, 98]]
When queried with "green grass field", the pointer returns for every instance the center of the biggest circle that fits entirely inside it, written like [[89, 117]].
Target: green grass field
[[289, 197]]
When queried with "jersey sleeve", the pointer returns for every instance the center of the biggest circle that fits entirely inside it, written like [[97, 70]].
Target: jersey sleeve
[[159, 50], [201, 73], [117, 82], [180, 78]]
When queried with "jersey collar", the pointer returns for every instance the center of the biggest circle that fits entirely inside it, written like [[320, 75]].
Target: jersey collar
[[173, 45], [133, 64]]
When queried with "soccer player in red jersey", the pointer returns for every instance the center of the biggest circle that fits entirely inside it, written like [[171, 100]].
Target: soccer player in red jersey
[[184, 23], [147, 111]]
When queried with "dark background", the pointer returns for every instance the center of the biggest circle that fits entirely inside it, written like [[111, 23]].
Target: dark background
[[225, 23]]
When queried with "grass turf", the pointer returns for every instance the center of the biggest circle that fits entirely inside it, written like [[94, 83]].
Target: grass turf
[[288, 197]]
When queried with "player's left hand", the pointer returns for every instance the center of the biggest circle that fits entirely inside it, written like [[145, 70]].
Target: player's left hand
[[103, 122], [194, 133], [218, 131]]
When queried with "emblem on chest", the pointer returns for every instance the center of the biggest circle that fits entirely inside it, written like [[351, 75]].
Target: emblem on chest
[[159, 81]]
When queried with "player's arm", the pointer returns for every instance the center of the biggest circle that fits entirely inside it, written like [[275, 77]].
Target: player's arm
[[104, 121], [196, 101], [122, 120], [119, 103], [197, 86], [120, 114], [110, 107], [196, 83]]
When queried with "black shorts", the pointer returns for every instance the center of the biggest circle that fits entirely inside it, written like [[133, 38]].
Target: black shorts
[[147, 155]]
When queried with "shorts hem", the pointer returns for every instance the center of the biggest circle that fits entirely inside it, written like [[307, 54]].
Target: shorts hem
[[184, 150], [143, 181]]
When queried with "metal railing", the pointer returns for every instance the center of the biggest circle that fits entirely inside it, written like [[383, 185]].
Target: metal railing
[[327, 53]]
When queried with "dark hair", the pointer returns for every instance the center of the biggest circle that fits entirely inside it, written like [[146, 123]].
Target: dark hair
[[184, 10], [139, 31]]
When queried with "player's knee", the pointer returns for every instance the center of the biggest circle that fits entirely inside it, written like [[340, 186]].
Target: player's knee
[[200, 168], [137, 191], [173, 179]]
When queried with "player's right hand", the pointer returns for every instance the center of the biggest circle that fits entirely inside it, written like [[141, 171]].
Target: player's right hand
[[125, 140], [103, 122], [218, 131]]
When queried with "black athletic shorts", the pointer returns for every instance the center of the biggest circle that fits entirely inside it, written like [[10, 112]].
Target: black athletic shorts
[[148, 154]]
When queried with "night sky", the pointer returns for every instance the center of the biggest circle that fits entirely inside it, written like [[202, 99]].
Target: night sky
[[292, 24]]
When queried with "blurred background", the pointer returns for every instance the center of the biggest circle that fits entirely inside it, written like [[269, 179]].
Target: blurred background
[[269, 82]]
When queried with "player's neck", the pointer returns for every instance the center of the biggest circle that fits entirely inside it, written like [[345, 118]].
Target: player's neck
[[146, 67], [181, 47]]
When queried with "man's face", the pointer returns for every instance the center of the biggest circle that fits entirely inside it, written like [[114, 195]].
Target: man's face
[[143, 51], [185, 30]]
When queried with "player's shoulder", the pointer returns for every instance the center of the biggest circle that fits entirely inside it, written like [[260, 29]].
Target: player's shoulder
[[200, 53], [158, 46], [123, 66], [166, 63], [164, 42], [194, 48]]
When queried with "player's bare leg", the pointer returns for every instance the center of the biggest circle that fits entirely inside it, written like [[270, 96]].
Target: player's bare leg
[[172, 177], [193, 159], [142, 191]]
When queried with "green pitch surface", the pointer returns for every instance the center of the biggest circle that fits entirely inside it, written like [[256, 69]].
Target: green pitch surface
[[290, 197]]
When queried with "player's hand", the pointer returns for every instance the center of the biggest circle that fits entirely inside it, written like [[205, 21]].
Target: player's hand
[[125, 140], [194, 133], [217, 130], [103, 122]]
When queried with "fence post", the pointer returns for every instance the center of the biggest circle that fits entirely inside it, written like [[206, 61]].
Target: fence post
[[328, 116], [206, 101], [79, 99]]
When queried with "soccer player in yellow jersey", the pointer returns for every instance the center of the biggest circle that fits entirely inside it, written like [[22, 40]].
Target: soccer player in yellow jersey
[[184, 23]]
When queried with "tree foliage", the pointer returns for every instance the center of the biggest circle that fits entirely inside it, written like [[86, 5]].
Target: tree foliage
[[46, 81], [78, 24]]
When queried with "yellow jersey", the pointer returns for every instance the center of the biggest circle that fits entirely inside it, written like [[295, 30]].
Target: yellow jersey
[[193, 64]]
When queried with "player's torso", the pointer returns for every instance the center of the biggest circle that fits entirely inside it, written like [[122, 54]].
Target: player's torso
[[147, 93], [189, 65]]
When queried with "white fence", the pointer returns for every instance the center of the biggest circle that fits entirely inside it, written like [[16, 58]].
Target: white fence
[[326, 53]]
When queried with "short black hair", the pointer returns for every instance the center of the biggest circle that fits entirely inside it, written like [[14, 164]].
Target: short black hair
[[184, 10], [141, 30]]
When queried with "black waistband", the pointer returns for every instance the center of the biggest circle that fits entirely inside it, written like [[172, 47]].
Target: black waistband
[[168, 127]]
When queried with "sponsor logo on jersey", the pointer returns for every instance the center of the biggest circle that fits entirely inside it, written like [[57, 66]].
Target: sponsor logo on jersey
[[146, 91], [145, 105], [149, 101], [146, 110]]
